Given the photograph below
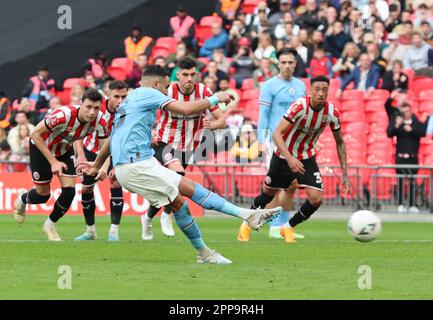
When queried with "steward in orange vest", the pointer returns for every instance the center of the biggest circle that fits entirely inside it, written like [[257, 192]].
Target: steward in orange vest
[[5, 111], [137, 43]]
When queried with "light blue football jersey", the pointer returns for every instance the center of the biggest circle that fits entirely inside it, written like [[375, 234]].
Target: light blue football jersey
[[131, 137], [276, 95]]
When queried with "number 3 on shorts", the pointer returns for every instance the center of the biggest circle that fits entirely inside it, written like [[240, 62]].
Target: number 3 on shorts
[[318, 177]]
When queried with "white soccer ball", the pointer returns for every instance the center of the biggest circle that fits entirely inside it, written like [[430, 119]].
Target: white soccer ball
[[364, 225]]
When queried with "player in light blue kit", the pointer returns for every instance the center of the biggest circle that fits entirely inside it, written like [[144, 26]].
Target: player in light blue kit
[[276, 95], [139, 172]]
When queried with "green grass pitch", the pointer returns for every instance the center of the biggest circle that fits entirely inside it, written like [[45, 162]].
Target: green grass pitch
[[323, 266]]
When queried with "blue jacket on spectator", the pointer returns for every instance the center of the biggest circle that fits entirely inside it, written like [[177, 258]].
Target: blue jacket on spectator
[[215, 42], [373, 77]]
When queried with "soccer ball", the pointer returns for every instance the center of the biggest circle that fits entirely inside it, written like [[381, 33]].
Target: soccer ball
[[364, 225]]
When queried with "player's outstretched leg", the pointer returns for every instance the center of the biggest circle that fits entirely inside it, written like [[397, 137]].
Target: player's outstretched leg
[[31, 197], [61, 206], [88, 204], [209, 200], [116, 206], [305, 212], [191, 230]]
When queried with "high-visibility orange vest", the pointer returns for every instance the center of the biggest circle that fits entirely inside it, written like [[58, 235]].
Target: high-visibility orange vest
[[133, 50], [5, 122], [229, 5]]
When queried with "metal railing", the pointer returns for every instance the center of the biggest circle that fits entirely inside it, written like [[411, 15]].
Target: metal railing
[[373, 187]]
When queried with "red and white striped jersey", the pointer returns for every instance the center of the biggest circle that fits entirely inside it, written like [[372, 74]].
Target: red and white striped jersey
[[183, 132], [91, 142], [65, 128], [306, 127]]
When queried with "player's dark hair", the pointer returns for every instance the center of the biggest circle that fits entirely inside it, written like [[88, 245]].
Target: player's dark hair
[[117, 85], [186, 63], [287, 51], [319, 79], [154, 70], [91, 94]]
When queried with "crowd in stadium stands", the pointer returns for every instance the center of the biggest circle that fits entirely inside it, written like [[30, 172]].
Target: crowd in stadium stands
[[374, 51]]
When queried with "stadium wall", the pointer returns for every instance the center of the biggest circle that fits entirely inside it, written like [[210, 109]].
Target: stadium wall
[[13, 183], [67, 55]]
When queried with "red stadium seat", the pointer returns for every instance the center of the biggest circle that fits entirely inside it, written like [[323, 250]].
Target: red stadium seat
[[71, 82], [378, 94], [250, 94], [377, 116], [351, 105], [124, 63], [411, 75], [422, 85], [64, 96], [248, 83], [159, 52], [117, 73], [352, 116], [374, 105], [207, 21], [202, 33], [426, 107], [357, 95], [334, 85], [169, 43], [248, 6], [306, 81]]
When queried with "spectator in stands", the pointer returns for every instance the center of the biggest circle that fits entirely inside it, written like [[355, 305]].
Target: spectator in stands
[[336, 39], [53, 105], [237, 31], [395, 78], [365, 76], [426, 30], [137, 43], [305, 38], [302, 50], [76, 93], [39, 89], [211, 83], [182, 27], [20, 145], [24, 107], [352, 22], [320, 65], [173, 58], [224, 86], [3, 135], [310, 18], [97, 66], [265, 71], [90, 80], [5, 153], [246, 149], [227, 10], [14, 134], [278, 17], [243, 62], [395, 50], [253, 21], [347, 62], [394, 17], [345, 10], [372, 49], [287, 28], [218, 40], [408, 129], [222, 62], [405, 33], [379, 33], [5, 111], [160, 61], [423, 13], [417, 56], [265, 49], [137, 70], [374, 9], [214, 72]]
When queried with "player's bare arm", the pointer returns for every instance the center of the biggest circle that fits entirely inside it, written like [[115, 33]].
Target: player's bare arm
[[92, 168], [103, 172], [56, 165], [294, 164], [219, 121], [194, 107], [342, 157]]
